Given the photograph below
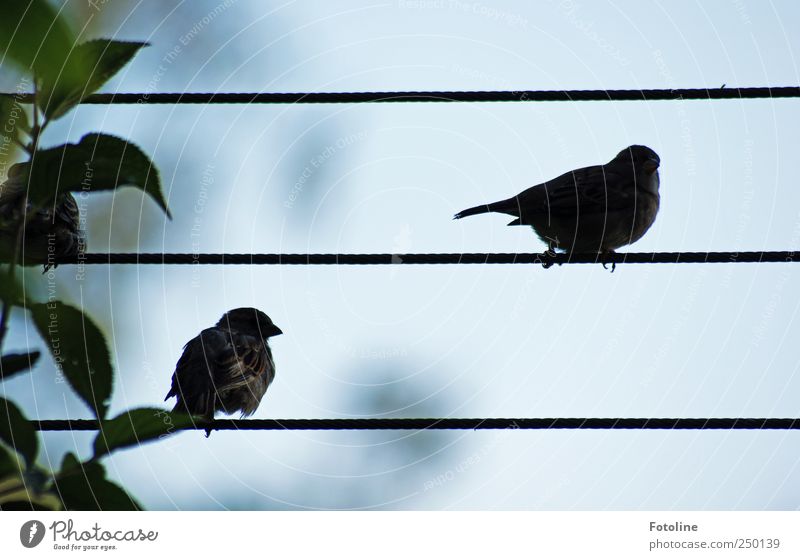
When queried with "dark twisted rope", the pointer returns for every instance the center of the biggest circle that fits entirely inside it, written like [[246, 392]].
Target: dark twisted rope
[[466, 424], [440, 96], [432, 258]]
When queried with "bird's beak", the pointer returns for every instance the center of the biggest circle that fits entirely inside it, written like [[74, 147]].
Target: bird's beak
[[650, 166], [275, 331]]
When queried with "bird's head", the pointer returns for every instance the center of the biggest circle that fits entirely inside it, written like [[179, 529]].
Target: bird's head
[[642, 157], [249, 319]]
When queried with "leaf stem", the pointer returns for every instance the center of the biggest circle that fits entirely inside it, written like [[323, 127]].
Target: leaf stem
[[24, 217], [11, 491]]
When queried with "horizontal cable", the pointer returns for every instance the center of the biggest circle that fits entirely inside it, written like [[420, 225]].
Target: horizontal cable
[[438, 96], [431, 258], [465, 424]]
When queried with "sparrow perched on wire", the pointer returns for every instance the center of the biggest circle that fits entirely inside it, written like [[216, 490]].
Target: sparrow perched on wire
[[589, 210], [50, 233], [227, 367]]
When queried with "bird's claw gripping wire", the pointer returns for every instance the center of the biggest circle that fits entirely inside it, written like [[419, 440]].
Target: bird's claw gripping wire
[[206, 424], [546, 259], [603, 260]]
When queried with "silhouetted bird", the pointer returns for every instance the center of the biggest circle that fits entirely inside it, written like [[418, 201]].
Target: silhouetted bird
[[51, 233], [594, 209], [227, 367]]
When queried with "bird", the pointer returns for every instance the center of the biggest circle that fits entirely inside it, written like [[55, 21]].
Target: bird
[[594, 209], [51, 233], [226, 368]]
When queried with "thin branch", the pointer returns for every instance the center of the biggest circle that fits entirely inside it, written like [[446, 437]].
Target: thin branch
[[24, 218]]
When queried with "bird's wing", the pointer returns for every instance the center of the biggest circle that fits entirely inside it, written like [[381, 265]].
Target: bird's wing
[[197, 371], [213, 362], [592, 189], [246, 359], [67, 211], [10, 192]]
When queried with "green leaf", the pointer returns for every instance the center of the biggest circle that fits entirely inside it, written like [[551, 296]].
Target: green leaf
[[16, 496], [35, 37], [84, 487], [117, 162], [8, 151], [98, 162], [12, 364], [68, 463], [137, 426], [94, 63], [79, 349], [45, 502], [10, 291], [12, 119], [12, 116], [17, 432], [9, 463]]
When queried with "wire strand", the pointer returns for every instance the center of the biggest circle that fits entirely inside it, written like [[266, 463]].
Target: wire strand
[[430, 258], [464, 424], [437, 96]]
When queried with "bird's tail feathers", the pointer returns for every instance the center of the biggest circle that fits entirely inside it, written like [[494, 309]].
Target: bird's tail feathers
[[508, 206]]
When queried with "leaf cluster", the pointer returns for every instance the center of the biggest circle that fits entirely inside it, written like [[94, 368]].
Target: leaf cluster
[[63, 72]]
